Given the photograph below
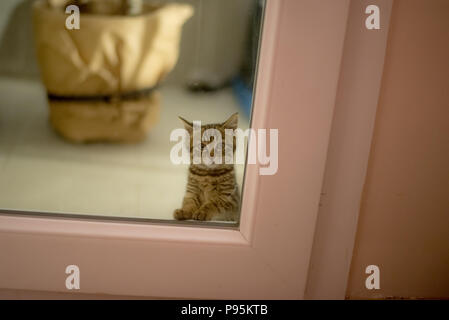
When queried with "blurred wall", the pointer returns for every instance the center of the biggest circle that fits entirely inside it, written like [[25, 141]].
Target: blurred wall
[[404, 219], [17, 56], [212, 46], [214, 40]]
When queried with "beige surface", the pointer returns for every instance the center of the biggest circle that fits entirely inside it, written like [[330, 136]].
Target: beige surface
[[404, 219], [39, 171]]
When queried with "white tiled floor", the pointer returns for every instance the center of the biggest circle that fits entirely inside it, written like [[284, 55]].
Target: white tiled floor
[[39, 171]]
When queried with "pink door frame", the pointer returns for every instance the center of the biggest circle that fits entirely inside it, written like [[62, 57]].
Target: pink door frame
[[349, 149]]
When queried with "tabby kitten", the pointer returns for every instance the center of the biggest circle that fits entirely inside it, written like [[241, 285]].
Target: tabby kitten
[[212, 191]]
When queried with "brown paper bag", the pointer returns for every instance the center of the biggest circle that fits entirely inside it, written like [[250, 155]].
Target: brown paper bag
[[90, 73]]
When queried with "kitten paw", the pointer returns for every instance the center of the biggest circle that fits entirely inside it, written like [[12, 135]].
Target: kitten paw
[[200, 215], [180, 214]]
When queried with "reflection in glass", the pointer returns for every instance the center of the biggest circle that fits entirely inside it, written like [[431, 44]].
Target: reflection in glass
[[86, 114]]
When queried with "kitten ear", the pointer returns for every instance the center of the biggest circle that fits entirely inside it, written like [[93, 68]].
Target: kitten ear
[[232, 122], [188, 125]]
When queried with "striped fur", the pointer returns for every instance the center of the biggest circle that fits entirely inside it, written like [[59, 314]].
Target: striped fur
[[212, 192]]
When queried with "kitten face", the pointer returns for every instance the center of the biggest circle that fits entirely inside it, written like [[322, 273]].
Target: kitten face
[[208, 142]]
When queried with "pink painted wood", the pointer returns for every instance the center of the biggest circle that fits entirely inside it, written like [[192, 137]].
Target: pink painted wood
[[349, 149], [269, 256]]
